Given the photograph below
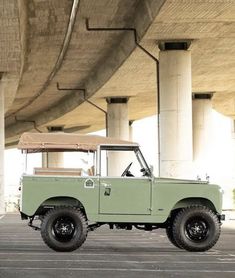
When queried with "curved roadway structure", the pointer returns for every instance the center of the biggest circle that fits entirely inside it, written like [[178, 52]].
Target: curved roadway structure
[[52, 57]]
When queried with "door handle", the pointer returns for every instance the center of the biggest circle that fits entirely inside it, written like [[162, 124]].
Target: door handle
[[107, 191]]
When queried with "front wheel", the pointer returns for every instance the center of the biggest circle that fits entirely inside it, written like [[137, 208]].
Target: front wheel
[[169, 233], [196, 228], [64, 229]]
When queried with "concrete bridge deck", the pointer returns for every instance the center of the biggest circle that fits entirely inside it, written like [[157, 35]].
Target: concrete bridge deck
[[34, 57]]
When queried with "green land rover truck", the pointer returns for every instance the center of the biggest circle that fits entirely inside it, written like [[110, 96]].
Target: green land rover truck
[[69, 205]]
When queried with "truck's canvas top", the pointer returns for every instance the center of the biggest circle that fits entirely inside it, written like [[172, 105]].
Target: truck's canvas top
[[39, 142]]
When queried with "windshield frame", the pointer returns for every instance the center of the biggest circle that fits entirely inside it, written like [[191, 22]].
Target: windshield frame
[[135, 149]]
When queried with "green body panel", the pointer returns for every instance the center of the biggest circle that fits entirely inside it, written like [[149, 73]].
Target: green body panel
[[38, 189], [123, 199], [168, 193], [132, 196]]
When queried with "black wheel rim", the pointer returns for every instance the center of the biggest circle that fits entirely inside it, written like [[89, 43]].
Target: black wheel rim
[[197, 229], [63, 228]]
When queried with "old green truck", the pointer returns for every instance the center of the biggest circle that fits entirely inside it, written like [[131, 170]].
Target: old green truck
[[69, 205]]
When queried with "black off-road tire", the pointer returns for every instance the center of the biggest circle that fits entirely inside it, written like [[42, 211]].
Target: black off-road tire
[[196, 228], [169, 233], [64, 229]]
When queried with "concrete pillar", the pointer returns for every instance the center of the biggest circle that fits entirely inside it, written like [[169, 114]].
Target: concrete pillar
[[44, 160], [214, 147], [203, 135], [118, 127], [2, 147], [130, 131], [175, 113], [53, 159]]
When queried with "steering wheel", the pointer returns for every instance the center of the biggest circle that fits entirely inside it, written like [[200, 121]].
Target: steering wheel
[[126, 170]]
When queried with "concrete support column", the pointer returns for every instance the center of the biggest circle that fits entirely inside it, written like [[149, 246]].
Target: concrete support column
[[53, 159], [203, 135], [2, 147], [44, 160], [130, 131], [214, 146], [175, 113], [118, 127]]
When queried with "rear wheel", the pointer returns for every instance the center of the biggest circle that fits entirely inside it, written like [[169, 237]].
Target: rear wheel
[[64, 229], [196, 228]]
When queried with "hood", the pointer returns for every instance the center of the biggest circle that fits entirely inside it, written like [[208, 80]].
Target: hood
[[172, 180]]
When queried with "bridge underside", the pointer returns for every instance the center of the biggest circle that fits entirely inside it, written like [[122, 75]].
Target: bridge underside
[[45, 49]]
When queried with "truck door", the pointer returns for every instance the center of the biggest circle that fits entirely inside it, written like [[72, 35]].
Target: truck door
[[125, 189], [125, 195]]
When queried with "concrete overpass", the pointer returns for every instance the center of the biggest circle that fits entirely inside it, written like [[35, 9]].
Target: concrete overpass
[[55, 54]]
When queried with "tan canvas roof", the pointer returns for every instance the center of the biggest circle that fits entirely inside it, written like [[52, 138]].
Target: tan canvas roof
[[37, 142]]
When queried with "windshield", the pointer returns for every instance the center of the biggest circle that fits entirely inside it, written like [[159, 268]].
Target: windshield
[[114, 162]]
